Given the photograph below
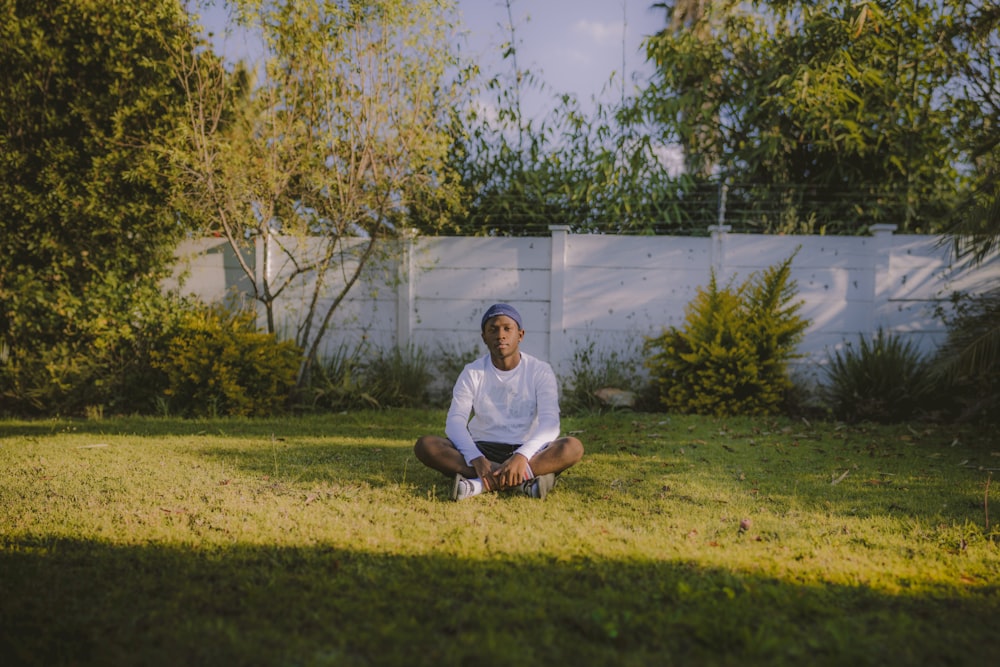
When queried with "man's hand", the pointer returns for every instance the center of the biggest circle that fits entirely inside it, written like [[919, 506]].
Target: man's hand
[[512, 472], [486, 470]]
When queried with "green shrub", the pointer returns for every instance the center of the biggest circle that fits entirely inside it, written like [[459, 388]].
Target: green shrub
[[399, 377], [593, 369], [136, 350], [884, 379], [337, 383], [448, 365], [216, 363], [99, 362], [348, 380], [731, 357], [969, 361]]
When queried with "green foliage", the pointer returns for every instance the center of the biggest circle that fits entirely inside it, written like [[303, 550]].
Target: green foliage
[[731, 357], [86, 229], [399, 377], [323, 158], [351, 379], [87, 91], [102, 361], [591, 174], [216, 363], [151, 352], [969, 360], [975, 36], [594, 369], [839, 114], [337, 383], [446, 365], [883, 379], [518, 175]]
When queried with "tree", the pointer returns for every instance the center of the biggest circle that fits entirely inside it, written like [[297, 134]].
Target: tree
[[971, 355], [325, 158], [824, 114], [974, 40], [85, 222], [596, 172]]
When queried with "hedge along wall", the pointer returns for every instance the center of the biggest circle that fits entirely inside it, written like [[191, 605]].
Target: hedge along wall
[[611, 292]]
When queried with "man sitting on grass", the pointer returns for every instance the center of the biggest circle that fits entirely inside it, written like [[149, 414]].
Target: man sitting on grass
[[503, 424]]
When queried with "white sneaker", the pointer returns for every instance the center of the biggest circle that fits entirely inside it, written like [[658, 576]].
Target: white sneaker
[[462, 488]]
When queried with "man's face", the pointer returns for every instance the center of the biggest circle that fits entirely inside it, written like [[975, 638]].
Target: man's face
[[502, 337]]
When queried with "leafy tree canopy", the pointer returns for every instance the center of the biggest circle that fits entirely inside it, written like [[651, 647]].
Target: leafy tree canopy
[[592, 172], [325, 158], [975, 32], [83, 202], [824, 114]]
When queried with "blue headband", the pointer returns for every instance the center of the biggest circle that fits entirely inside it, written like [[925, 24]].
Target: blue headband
[[501, 309]]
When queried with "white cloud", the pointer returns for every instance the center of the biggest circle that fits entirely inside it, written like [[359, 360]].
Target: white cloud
[[602, 33]]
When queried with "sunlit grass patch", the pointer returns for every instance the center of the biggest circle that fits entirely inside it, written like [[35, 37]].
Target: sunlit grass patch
[[320, 540]]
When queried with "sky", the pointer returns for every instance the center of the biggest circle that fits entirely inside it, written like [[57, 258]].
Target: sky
[[574, 46]]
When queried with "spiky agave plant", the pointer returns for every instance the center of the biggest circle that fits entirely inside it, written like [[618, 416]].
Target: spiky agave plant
[[883, 378]]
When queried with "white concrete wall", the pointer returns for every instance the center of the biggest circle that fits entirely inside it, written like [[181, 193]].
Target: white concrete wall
[[610, 291]]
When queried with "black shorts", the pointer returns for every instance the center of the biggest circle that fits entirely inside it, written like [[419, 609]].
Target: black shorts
[[498, 452]]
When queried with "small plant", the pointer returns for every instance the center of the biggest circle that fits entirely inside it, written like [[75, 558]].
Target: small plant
[[336, 382], [448, 366], [594, 370], [883, 379], [399, 377], [731, 357]]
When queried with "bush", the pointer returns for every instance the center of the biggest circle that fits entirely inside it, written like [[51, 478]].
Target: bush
[[883, 379], [448, 365], [347, 380], [969, 361], [216, 363], [593, 370], [99, 362], [136, 350], [732, 355], [337, 383], [399, 378]]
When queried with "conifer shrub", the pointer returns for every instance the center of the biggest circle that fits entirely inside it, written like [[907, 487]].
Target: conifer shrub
[[883, 378], [217, 364], [731, 356]]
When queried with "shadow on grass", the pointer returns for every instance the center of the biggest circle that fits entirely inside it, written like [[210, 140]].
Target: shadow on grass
[[89, 603]]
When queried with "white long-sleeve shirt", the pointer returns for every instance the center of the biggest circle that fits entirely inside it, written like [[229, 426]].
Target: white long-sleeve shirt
[[516, 407]]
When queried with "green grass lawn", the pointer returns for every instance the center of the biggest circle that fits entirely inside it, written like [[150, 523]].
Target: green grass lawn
[[321, 541]]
